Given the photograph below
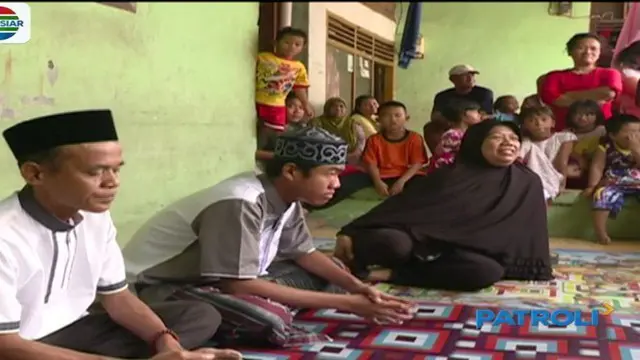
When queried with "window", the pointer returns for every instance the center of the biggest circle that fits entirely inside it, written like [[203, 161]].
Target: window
[[358, 62]]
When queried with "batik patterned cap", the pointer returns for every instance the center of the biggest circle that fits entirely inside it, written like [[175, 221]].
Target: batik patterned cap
[[311, 145]]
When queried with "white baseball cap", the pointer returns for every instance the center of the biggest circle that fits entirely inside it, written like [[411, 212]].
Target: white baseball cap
[[462, 69]]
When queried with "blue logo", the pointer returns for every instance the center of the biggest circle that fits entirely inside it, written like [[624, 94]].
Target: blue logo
[[554, 318]]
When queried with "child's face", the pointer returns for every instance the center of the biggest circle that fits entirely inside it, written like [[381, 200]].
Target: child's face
[[295, 111], [369, 107], [472, 117], [585, 120], [338, 109], [290, 46], [392, 118], [539, 126], [511, 105], [621, 138]]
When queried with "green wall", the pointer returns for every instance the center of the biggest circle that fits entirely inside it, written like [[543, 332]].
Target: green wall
[[511, 44], [179, 78]]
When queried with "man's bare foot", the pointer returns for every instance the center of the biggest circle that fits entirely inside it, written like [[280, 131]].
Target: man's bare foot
[[604, 239], [379, 275]]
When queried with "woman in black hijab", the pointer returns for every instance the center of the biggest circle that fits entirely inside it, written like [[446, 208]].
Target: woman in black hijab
[[463, 227]]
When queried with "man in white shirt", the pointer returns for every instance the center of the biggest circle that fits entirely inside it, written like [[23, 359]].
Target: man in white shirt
[[247, 235], [58, 250]]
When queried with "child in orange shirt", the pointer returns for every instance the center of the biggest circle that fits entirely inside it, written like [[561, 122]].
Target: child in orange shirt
[[277, 74], [394, 156]]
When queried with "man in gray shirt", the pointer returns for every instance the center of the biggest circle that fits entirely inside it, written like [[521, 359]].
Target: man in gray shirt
[[247, 235]]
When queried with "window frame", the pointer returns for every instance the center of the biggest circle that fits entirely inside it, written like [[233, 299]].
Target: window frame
[[376, 55]]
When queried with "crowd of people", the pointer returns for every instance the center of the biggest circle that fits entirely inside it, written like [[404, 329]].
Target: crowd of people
[[228, 261], [575, 135]]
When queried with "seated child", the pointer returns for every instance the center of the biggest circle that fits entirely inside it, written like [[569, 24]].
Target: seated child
[[532, 101], [432, 133], [460, 114], [295, 120], [614, 171], [394, 156], [506, 108], [586, 120], [537, 128]]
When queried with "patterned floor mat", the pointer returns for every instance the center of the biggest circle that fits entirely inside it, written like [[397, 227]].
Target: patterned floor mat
[[448, 331], [585, 280], [444, 327]]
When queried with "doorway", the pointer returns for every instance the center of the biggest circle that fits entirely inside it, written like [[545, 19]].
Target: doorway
[[268, 25]]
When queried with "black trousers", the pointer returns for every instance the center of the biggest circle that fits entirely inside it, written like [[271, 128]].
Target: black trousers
[[351, 183], [452, 268], [194, 322]]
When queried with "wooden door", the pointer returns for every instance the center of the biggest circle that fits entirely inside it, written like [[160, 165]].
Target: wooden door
[[268, 22]]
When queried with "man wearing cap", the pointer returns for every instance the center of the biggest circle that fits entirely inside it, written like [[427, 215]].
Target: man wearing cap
[[463, 78], [58, 250], [247, 235]]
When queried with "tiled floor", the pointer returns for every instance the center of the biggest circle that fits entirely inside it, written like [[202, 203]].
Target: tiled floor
[[321, 230]]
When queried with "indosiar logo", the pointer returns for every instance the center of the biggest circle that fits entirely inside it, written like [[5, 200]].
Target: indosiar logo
[[15, 23]]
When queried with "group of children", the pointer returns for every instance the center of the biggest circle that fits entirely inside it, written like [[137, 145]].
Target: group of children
[[382, 152], [592, 154]]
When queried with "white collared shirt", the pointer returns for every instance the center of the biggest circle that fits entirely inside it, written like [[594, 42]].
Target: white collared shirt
[[50, 271]]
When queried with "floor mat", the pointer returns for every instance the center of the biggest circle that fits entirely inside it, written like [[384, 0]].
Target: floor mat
[[585, 280], [447, 331], [444, 327]]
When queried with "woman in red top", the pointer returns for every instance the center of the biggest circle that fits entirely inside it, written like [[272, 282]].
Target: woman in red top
[[585, 81]]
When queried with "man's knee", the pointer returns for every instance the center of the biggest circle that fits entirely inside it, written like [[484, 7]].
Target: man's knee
[[204, 313], [197, 319]]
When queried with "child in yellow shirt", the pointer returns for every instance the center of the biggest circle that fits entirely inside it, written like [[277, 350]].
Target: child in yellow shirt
[[277, 74]]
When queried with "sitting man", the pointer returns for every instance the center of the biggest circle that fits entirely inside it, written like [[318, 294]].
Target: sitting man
[[58, 249], [247, 236], [464, 87]]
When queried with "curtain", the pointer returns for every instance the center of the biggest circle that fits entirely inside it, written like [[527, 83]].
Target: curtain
[[410, 35]]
